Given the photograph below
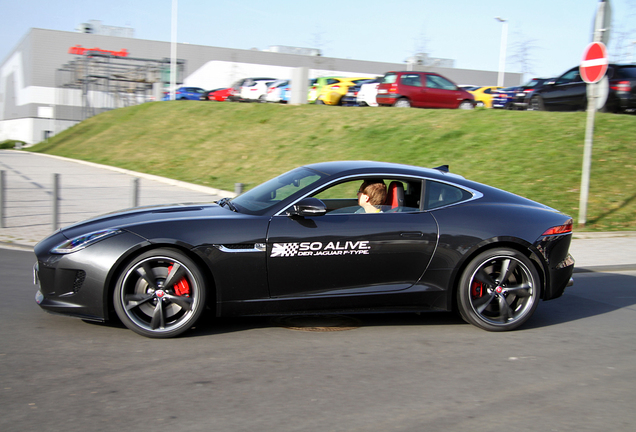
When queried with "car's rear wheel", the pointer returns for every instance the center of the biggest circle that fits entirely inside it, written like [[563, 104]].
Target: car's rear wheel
[[499, 290], [466, 105], [160, 294], [402, 103], [480, 104], [536, 104]]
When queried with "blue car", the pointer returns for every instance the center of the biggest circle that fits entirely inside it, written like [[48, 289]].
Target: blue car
[[504, 98], [185, 93]]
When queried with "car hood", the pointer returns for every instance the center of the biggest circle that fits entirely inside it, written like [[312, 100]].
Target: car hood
[[131, 217]]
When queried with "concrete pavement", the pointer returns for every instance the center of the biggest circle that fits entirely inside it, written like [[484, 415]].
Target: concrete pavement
[[88, 190]]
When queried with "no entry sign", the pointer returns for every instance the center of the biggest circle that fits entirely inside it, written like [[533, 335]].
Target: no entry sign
[[594, 63]]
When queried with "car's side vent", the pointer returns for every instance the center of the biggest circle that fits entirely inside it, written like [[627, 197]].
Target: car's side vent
[[80, 276], [238, 248]]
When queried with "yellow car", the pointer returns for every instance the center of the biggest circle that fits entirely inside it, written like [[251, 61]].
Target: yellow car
[[332, 94], [484, 95]]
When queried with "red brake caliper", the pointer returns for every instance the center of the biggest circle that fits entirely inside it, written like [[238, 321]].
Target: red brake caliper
[[181, 288], [477, 289]]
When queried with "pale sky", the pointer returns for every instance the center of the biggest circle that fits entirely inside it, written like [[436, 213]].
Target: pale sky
[[557, 31]]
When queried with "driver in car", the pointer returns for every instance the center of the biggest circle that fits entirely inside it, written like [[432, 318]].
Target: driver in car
[[371, 196]]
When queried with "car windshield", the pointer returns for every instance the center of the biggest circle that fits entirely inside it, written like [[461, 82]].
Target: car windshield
[[259, 200]]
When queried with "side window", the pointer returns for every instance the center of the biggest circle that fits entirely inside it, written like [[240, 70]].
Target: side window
[[435, 81], [401, 196], [413, 80], [442, 194]]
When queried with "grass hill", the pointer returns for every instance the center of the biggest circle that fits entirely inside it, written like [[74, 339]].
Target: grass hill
[[534, 154]]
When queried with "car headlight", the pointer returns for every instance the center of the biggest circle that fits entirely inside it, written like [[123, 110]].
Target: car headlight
[[80, 242]]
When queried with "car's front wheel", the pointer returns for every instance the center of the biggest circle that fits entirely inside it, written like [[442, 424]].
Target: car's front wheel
[[466, 105], [499, 290], [160, 294]]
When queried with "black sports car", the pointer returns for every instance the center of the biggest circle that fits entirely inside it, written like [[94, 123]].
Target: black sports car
[[299, 244]]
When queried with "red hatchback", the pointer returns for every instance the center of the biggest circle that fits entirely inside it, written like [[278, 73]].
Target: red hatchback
[[422, 90]]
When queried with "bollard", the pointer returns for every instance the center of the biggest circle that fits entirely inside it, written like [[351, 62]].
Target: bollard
[[56, 203], [134, 202], [238, 188], [2, 199]]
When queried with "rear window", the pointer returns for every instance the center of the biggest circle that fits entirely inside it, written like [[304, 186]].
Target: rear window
[[627, 72], [389, 78]]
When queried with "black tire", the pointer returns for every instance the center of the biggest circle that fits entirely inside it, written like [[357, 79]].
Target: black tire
[[499, 290], [402, 103], [147, 306], [466, 104], [536, 104]]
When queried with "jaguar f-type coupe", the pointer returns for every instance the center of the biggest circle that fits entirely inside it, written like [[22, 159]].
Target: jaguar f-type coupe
[[302, 244]]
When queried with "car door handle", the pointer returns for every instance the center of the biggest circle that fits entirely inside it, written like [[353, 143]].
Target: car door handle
[[412, 234]]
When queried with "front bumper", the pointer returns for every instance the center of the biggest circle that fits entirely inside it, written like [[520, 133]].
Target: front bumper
[[77, 284]]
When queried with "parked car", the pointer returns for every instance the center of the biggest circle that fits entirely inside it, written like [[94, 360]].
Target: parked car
[[332, 94], [255, 89], [522, 101], [351, 97], [483, 95], [316, 86], [275, 91], [220, 95], [568, 92], [206, 95], [298, 244], [422, 90], [185, 93], [622, 96], [286, 92], [504, 98], [236, 92], [368, 92]]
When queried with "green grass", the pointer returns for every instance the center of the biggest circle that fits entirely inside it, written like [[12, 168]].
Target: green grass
[[534, 154]]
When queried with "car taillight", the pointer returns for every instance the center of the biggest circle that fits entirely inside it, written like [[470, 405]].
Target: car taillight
[[335, 87], [393, 88], [621, 86], [561, 229]]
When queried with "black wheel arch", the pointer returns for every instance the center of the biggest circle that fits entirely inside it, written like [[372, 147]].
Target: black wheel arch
[[517, 244], [126, 258]]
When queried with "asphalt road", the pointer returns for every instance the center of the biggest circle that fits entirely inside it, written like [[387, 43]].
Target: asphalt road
[[571, 368]]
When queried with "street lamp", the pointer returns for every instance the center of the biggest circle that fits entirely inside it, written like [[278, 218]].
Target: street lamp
[[173, 51], [502, 50]]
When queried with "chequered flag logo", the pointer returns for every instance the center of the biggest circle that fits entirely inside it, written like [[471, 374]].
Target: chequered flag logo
[[284, 250]]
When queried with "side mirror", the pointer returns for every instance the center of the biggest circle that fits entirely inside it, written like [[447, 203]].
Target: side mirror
[[308, 207]]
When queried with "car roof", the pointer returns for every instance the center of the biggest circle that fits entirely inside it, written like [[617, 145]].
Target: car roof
[[362, 167]]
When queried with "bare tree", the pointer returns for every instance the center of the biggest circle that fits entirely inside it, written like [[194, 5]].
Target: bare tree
[[521, 53], [623, 36]]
